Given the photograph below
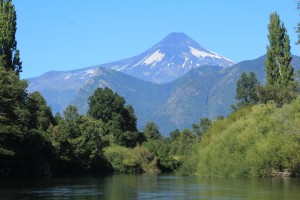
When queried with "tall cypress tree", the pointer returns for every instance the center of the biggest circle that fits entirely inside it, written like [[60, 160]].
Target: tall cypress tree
[[286, 70], [278, 62], [9, 54]]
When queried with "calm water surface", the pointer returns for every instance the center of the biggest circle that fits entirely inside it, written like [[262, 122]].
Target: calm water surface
[[150, 187]]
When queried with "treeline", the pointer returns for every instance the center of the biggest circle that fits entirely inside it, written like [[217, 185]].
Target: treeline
[[105, 140]]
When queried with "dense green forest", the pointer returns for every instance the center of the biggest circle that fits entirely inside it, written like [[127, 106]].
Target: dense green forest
[[260, 138]]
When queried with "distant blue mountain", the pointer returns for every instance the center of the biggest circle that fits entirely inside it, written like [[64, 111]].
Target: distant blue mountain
[[198, 91]]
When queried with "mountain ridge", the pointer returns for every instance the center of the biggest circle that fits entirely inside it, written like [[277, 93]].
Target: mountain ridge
[[206, 91]]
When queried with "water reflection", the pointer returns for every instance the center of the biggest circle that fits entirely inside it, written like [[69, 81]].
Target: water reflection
[[118, 187]]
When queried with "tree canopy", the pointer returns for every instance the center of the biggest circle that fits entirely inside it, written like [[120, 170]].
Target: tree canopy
[[119, 119], [9, 54], [278, 63], [246, 90]]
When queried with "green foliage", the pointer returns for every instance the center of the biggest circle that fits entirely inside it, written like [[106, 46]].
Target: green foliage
[[79, 141], [106, 105], [183, 144], [281, 86], [181, 149], [12, 102], [187, 163], [34, 155], [147, 160], [128, 160], [261, 140], [246, 92], [280, 95], [278, 63], [166, 151], [9, 55], [71, 125], [151, 131], [122, 159], [200, 129], [13, 118], [23, 121], [160, 149], [119, 120], [174, 134], [88, 146], [171, 152], [41, 115]]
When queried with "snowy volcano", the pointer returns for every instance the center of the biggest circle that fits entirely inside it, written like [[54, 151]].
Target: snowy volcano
[[169, 59]]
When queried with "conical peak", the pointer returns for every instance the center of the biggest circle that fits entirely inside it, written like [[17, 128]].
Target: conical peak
[[176, 36], [178, 39]]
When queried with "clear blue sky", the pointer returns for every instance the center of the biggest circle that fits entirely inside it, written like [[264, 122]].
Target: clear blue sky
[[71, 34]]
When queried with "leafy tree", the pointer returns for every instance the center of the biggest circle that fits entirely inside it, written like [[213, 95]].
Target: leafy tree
[[88, 146], [128, 139], [281, 87], [61, 135], [278, 63], [151, 131], [180, 148], [204, 124], [124, 160], [279, 95], [79, 141], [41, 115], [175, 134], [9, 54], [119, 119], [187, 138], [71, 117], [13, 118], [105, 105], [246, 90]]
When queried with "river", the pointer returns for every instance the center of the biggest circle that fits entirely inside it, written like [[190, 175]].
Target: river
[[117, 187]]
